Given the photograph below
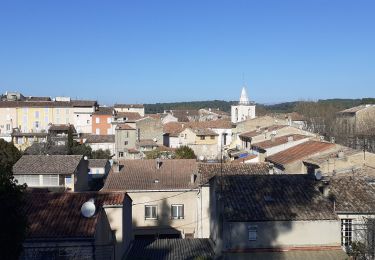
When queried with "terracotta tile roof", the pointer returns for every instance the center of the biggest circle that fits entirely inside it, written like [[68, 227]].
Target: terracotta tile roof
[[299, 152], [352, 194], [173, 128], [141, 175], [58, 215], [154, 116], [274, 198], [204, 132], [147, 142], [130, 116], [83, 103], [209, 170], [133, 150], [98, 163], [104, 111], [61, 127], [124, 127], [21, 134], [278, 141], [262, 131], [322, 158], [214, 124], [172, 249], [35, 104], [92, 139], [47, 164], [128, 106]]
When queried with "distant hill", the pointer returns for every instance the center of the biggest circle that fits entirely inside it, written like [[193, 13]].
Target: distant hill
[[285, 107]]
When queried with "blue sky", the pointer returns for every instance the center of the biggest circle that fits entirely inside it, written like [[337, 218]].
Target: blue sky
[[160, 51]]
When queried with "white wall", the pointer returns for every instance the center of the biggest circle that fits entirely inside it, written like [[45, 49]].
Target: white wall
[[244, 112]]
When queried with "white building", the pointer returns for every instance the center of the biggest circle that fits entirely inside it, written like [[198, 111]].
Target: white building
[[244, 110]]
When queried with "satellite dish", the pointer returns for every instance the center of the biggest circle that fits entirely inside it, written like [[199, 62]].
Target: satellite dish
[[88, 208], [85, 158], [201, 158], [318, 175], [155, 140]]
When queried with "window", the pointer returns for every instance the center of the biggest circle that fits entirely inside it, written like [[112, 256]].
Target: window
[[120, 154], [109, 120], [126, 143], [252, 229], [30, 180], [97, 131], [67, 111], [68, 180], [8, 127], [88, 122], [50, 180], [177, 211], [127, 134], [212, 137], [97, 120], [151, 212], [36, 114], [57, 111], [203, 137], [36, 124], [185, 136], [109, 131], [46, 120], [346, 232]]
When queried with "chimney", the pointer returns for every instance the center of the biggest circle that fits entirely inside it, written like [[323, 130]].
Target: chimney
[[193, 178], [270, 168], [116, 167], [324, 189], [158, 163], [290, 139], [272, 137]]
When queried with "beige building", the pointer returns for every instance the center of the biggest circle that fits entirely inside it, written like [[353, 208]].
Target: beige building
[[125, 141], [203, 141], [8, 120], [282, 213], [137, 108], [60, 229], [54, 172], [165, 196], [341, 160]]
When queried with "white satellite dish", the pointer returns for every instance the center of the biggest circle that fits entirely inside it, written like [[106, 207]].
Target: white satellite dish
[[201, 158], [318, 175], [88, 208]]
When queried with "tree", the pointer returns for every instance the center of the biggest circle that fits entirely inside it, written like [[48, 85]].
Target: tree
[[70, 142], [13, 221], [185, 152], [9, 155], [101, 154], [82, 149]]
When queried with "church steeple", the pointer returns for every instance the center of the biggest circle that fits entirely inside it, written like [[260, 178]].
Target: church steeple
[[244, 99]]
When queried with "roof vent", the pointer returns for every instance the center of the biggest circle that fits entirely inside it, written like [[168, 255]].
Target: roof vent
[[88, 208]]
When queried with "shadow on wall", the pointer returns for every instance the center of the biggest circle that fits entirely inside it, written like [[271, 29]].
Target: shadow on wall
[[161, 228]]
